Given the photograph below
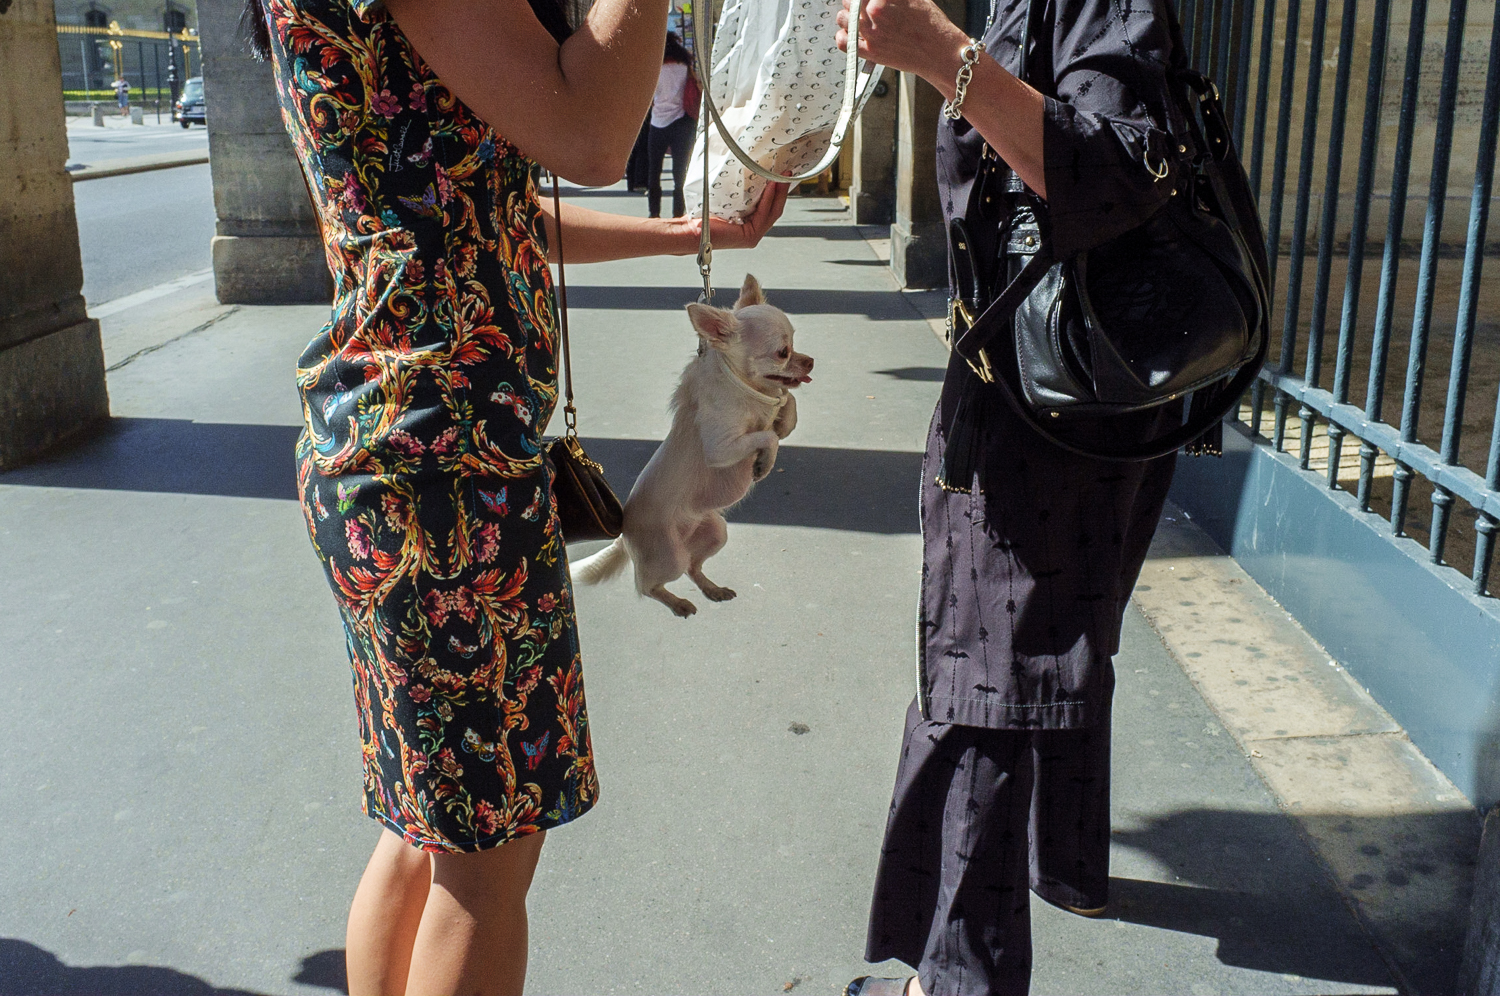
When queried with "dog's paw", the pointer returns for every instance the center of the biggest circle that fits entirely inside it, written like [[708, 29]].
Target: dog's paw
[[717, 594], [682, 608]]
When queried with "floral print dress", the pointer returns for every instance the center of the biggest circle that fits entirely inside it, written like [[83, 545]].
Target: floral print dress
[[421, 469]]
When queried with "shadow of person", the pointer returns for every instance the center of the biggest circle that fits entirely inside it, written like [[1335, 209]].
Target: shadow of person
[[27, 970], [325, 969], [1248, 879]]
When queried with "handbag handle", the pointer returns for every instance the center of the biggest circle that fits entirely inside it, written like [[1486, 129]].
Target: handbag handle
[[570, 413], [855, 90]]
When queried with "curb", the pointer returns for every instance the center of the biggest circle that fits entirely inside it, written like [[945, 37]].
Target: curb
[[139, 164]]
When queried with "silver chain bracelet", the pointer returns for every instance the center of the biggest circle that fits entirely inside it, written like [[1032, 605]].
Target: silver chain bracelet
[[954, 109]]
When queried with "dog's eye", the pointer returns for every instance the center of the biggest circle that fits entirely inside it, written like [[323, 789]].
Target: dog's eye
[[784, 353]]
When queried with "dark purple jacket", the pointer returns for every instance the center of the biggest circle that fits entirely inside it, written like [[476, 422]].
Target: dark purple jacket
[[1025, 582]]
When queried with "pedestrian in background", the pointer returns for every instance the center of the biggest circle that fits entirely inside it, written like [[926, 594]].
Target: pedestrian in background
[[122, 95], [1003, 784], [674, 110], [424, 482]]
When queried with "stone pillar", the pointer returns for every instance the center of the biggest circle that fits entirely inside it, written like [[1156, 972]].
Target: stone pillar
[[919, 246], [872, 194], [51, 359], [266, 247]]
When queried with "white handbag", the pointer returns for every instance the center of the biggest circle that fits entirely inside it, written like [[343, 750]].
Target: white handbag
[[782, 91]]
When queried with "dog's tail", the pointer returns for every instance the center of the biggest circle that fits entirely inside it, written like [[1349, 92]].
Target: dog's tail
[[602, 566]]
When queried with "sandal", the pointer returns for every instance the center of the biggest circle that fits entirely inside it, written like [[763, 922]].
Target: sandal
[[1092, 914], [868, 985]]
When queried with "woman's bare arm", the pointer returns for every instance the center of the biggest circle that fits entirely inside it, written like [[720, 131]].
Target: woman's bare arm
[[915, 36], [576, 108], [595, 236]]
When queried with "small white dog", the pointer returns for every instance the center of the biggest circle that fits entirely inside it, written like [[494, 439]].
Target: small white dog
[[731, 410]]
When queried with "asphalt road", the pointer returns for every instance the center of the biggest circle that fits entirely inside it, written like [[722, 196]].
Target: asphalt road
[[89, 145], [143, 229]]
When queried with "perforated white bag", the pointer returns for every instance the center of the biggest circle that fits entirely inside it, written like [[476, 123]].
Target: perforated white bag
[[778, 81]]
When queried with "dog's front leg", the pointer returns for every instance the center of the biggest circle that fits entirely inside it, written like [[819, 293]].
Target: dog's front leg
[[786, 419], [730, 452]]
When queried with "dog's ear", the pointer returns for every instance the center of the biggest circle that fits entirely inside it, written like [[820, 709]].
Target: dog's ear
[[750, 293], [715, 325]]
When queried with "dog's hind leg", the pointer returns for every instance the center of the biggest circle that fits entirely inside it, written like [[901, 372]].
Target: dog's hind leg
[[708, 539], [679, 606]]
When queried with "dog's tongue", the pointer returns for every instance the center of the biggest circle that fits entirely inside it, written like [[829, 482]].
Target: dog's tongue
[[805, 379]]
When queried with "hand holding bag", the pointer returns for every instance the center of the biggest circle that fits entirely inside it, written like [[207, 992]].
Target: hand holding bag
[[586, 505], [1176, 307]]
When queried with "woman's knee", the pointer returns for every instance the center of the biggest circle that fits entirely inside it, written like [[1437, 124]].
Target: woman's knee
[[496, 876]]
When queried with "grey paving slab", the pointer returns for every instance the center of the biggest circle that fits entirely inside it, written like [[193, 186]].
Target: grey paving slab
[[181, 757]]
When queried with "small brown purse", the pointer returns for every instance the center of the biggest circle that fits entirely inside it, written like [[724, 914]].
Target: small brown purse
[[586, 505]]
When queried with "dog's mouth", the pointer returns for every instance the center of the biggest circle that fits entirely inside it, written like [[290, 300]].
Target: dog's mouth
[[792, 381]]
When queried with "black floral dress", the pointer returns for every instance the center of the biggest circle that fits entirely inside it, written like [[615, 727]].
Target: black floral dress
[[422, 475]]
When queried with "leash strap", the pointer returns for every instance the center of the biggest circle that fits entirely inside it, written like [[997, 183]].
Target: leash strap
[[570, 413]]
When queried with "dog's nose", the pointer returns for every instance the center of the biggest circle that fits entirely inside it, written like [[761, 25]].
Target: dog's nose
[[809, 362]]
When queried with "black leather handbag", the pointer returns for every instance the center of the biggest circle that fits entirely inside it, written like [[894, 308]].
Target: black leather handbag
[[1176, 307], [587, 506]]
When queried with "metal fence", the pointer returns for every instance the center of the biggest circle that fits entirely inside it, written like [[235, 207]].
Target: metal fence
[[1421, 112], [92, 58]]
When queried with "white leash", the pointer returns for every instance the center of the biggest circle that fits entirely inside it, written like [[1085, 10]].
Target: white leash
[[855, 86]]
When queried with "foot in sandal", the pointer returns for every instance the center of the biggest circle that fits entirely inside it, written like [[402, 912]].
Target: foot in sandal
[[868, 985]]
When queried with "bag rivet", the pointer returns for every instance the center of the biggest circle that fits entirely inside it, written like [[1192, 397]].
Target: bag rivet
[[1030, 240], [1182, 148]]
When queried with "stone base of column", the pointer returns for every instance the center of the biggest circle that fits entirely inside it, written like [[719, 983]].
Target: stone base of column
[[919, 254], [872, 209], [271, 269], [50, 388]]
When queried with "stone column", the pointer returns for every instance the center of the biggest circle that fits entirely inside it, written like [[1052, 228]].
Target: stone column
[[51, 359], [872, 194], [919, 247], [266, 249]]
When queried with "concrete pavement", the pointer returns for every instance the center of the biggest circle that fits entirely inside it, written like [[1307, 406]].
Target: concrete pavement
[[183, 766]]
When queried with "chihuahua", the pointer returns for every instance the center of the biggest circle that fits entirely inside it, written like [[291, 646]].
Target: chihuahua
[[731, 410]]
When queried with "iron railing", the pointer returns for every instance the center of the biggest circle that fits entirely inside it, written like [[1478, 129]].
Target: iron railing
[[1397, 459]]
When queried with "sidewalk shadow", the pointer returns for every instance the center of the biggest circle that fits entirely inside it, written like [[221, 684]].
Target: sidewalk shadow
[[881, 305], [174, 456], [867, 491], [27, 970], [872, 491], [325, 969], [1282, 923]]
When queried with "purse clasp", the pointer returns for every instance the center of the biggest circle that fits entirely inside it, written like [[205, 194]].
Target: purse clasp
[[958, 312]]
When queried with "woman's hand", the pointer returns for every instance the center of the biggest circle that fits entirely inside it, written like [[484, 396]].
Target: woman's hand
[[913, 36], [747, 234], [596, 236]]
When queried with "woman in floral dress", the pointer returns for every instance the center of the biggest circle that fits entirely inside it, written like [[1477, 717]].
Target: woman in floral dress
[[419, 125]]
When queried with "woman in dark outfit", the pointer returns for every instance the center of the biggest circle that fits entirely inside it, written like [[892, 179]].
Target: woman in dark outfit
[[1003, 783]]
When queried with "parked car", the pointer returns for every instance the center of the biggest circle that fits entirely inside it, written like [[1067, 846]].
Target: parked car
[[190, 109]]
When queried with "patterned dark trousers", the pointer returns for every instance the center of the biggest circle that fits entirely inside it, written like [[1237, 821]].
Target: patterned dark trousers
[[979, 819]]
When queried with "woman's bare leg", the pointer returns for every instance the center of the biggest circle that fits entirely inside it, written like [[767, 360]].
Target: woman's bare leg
[[384, 916], [472, 939]]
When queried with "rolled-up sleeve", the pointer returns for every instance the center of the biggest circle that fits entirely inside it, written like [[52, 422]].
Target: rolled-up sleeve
[[1103, 126]]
